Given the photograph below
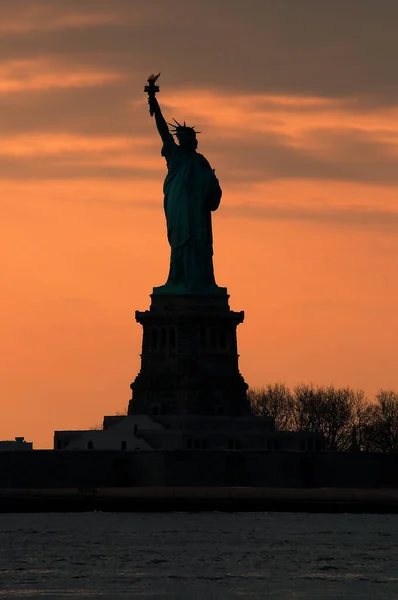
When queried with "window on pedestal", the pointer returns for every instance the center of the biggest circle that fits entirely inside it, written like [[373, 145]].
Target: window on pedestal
[[234, 444], [203, 337], [155, 408], [196, 444], [163, 338], [155, 339], [223, 340], [172, 336], [216, 338]]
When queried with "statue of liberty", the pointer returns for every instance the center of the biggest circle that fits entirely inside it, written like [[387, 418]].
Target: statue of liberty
[[191, 192]]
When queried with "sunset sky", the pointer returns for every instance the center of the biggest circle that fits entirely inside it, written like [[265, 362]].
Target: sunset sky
[[297, 102]]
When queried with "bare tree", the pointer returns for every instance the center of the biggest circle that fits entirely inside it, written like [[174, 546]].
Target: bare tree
[[344, 415], [338, 422], [371, 430], [276, 401], [382, 430], [362, 413], [307, 407], [328, 410]]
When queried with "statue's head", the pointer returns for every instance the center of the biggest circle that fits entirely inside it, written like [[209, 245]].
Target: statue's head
[[185, 135]]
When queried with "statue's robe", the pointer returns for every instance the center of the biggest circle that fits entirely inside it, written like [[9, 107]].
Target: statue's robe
[[191, 192]]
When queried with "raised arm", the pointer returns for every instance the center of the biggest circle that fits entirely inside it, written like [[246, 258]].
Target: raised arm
[[161, 124]]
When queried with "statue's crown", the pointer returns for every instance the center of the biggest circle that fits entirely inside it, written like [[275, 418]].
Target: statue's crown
[[179, 129]]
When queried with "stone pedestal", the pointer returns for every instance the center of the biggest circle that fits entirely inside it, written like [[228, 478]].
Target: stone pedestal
[[189, 360]]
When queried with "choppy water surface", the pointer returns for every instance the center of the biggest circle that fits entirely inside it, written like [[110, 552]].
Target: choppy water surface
[[199, 556]]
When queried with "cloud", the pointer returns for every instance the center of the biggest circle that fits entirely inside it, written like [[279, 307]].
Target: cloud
[[340, 155], [43, 74], [90, 110], [58, 133], [273, 137], [331, 204], [338, 49], [23, 16], [72, 102], [63, 144], [292, 115], [348, 216], [78, 166]]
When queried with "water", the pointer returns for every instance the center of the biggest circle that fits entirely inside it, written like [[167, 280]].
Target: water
[[206, 556]]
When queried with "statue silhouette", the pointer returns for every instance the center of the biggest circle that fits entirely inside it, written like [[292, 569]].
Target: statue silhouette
[[191, 192]]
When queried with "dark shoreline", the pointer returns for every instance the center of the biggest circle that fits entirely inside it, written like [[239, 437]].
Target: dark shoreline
[[317, 500]]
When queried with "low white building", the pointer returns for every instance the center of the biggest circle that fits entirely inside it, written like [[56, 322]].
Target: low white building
[[118, 433], [141, 432]]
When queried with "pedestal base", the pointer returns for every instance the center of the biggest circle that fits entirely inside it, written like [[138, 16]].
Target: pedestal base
[[189, 361]]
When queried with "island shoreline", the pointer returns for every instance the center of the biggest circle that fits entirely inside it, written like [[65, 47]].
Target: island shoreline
[[226, 499]]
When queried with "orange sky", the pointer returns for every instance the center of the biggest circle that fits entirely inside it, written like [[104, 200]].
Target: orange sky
[[299, 113]]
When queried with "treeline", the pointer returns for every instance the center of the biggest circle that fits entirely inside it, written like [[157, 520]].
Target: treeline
[[348, 420]]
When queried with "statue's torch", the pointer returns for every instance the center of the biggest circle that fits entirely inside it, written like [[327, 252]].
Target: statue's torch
[[151, 89]]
